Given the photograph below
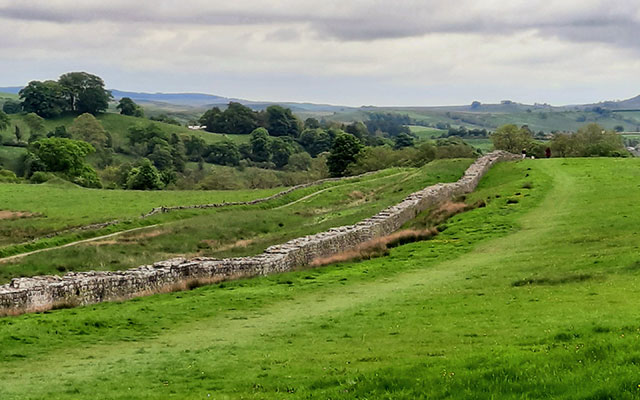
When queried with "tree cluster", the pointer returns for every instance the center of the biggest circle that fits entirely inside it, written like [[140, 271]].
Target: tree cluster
[[75, 92], [62, 156], [242, 120], [589, 141]]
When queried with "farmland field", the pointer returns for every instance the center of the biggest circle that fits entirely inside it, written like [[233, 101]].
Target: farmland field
[[230, 231], [533, 296]]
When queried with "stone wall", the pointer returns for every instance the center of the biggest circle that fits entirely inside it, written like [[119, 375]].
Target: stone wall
[[46, 292]]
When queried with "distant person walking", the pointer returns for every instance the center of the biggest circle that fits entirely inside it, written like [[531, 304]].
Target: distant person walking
[[524, 153], [547, 152]]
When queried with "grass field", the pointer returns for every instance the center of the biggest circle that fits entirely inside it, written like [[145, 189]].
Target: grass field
[[532, 296], [118, 125], [56, 208], [231, 231]]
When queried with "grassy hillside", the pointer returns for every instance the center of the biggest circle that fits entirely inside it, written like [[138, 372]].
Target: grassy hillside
[[538, 119], [55, 208], [118, 125], [535, 297], [222, 232]]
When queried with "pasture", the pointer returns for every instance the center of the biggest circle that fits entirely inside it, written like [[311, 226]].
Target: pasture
[[220, 232], [532, 296]]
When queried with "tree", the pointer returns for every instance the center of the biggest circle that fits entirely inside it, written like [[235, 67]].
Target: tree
[[86, 127], [4, 121], [403, 140], [224, 153], [344, 150], [357, 129], [129, 107], [511, 138], [281, 122], [85, 93], [311, 123], [240, 119], [589, 141], [66, 156], [315, 141], [12, 107], [195, 147], [18, 133], [213, 120], [36, 126], [236, 119], [47, 99], [60, 132], [299, 162], [260, 145], [144, 177], [280, 152]]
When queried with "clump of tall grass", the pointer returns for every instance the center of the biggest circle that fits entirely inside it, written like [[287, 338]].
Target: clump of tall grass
[[377, 247]]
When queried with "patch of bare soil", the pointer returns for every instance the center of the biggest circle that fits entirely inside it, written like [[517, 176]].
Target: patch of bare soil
[[7, 214]]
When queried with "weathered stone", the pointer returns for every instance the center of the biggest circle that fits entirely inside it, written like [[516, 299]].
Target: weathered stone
[[79, 288]]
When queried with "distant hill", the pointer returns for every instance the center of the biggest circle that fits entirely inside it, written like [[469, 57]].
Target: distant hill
[[11, 89], [183, 99]]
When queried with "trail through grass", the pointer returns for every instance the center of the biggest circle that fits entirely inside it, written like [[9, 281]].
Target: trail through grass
[[532, 296]]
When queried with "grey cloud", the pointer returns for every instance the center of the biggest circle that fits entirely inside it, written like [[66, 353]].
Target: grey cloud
[[609, 22]]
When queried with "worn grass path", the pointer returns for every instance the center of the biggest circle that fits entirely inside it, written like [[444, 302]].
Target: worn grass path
[[534, 296]]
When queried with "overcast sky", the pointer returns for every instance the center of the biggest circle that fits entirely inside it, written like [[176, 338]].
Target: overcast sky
[[352, 52]]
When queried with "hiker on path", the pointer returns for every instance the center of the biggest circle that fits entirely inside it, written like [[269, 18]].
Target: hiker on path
[[524, 153], [547, 152]]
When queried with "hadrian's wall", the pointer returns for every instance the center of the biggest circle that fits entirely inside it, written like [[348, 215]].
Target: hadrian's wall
[[45, 292]]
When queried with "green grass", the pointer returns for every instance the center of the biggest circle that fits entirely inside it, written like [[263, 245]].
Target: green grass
[[57, 208], [529, 299], [423, 132], [232, 231], [118, 125]]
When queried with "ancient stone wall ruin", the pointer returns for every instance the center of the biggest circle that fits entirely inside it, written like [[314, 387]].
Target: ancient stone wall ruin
[[46, 292]]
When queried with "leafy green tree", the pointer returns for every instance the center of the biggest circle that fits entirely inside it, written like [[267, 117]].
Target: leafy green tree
[[589, 141], [213, 121], [4, 121], [315, 141], [129, 107], [144, 177], [357, 129], [224, 153], [300, 162], [12, 107], [511, 138], [85, 93], [344, 150], [60, 132], [280, 152], [403, 140], [454, 147], [195, 147], [66, 156], [260, 145], [240, 119], [47, 99], [86, 127], [236, 119], [425, 154], [281, 122], [311, 123], [36, 126], [161, 157]]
